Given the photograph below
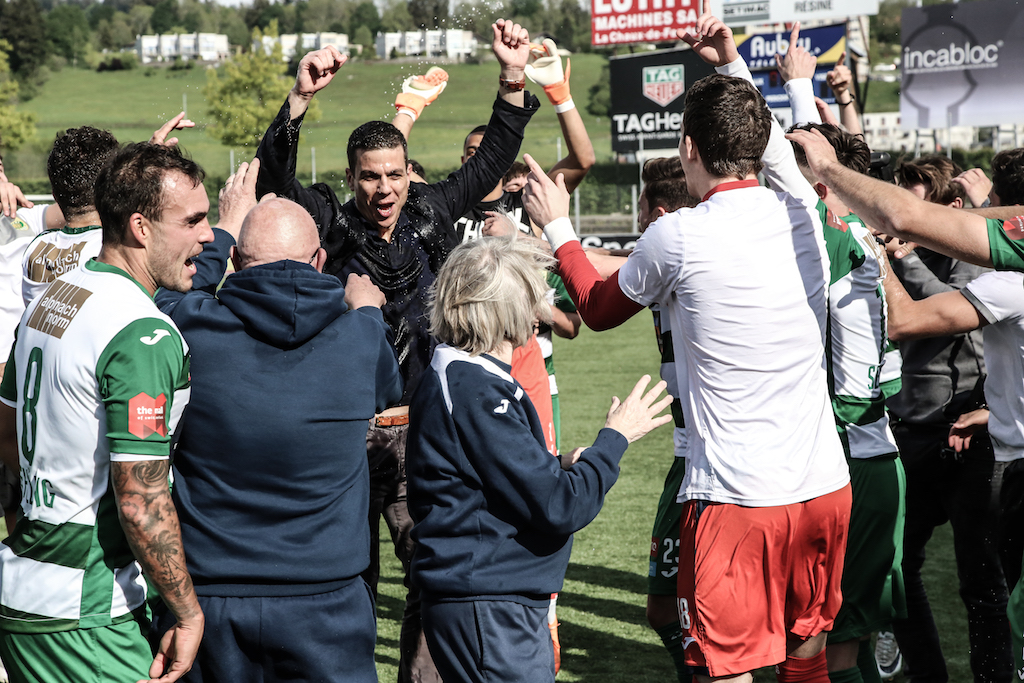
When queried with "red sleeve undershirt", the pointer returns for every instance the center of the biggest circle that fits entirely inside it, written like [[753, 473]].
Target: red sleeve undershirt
[[600, 303]]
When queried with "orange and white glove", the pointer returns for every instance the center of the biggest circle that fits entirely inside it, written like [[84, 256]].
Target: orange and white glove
[[419, 91], [544, 68]]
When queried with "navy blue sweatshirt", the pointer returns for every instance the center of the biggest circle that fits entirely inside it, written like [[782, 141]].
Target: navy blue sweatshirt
[[494, 511], [405, 267], [270, 475]]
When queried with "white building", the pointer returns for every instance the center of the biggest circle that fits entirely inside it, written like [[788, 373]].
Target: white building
[[301, 43], [206, 47], [450, 43]]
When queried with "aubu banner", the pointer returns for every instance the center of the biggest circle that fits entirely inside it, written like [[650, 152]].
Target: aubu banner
[[962, 65]]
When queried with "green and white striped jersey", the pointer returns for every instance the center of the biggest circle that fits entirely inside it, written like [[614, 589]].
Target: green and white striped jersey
[[97, 374], [857, 336]]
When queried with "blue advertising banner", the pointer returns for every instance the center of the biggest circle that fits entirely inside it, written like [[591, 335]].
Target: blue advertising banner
[[826, 43]]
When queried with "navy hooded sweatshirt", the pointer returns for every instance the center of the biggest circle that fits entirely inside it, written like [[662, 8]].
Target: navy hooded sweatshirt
[[270, 474]]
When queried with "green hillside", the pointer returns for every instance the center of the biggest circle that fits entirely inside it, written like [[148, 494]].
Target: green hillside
[[134, 103]]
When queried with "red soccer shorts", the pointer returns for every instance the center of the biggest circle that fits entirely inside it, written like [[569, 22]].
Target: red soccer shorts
[[750, 577]]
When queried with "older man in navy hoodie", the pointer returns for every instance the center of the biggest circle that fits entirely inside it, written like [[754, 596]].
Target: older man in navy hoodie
[[270, 474]]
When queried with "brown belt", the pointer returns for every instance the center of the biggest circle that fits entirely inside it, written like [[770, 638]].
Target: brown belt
[[392, 417], [390, 420]]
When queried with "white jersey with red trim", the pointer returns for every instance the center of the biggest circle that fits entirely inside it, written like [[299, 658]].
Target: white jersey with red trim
[[743, 277]]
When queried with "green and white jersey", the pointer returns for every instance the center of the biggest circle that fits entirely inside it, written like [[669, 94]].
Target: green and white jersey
[[97, 374], [56, 253], [857, 336], [1006, 243]]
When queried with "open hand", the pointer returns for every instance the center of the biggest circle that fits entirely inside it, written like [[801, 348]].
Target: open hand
[[797, 62], [238, 197], [179, 122], [711, 39], [639, 413]]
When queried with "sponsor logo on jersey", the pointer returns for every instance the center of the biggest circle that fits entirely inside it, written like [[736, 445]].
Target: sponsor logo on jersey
[[147, 415], [503, 408], [834, 221], [158, 334], [663, 84], [655, 544], [47, 262], [57, 307], [1014, 228]]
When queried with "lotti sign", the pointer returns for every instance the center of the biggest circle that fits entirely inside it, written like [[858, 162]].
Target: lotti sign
[[614, 22]]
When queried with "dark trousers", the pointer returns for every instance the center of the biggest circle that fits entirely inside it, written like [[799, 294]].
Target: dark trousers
[[964, 490], [385, 450], [493, 641], [321, 638]]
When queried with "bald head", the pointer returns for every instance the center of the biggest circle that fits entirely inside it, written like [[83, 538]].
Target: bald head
[[275, 230]]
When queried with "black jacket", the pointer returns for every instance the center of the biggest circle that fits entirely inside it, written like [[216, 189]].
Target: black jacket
[[406, 267]]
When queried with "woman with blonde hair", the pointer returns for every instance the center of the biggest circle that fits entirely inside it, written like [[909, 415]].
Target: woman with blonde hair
[[494, 511]]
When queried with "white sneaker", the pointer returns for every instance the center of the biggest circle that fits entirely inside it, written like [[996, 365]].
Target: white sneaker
[[888, 657]]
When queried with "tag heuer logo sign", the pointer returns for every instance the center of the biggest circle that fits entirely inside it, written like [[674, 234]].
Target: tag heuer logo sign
[[663, 84]]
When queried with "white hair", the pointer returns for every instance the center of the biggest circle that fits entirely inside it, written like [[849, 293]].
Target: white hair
[[489, 291]]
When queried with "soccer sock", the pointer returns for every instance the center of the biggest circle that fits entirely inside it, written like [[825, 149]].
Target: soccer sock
[[866, 663], [845, 676], [803, 669], [672, 636]]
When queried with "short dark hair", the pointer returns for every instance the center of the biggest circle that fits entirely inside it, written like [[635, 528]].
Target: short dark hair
[[417, 168], [77, 157], [936, 173], [516, 170], [665, 184], [729, 122], [1008, 176], [375, 135], [479, 130], [133, 182], [851, 150]]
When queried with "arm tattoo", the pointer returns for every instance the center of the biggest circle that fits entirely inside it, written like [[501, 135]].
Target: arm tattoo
[[150, 524]]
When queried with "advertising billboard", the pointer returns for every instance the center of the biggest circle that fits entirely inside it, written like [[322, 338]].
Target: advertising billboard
[[648, 89], [962, 65], [647, 93], [615, 22], [740, 12]]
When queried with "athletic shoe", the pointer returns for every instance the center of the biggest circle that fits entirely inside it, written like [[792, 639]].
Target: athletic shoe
[[888, 657]]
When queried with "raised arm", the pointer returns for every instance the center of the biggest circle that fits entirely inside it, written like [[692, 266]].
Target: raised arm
[[600, 302], [840, 79], [796, 68], [894, 211], [545, 69], [417, 92], [499, 148], [714, 43], [280, 145]]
